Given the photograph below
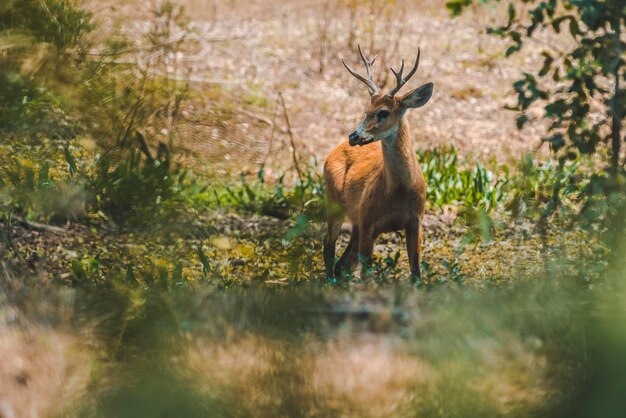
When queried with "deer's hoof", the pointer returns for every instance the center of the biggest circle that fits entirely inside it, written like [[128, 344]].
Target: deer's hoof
[[416, 280]]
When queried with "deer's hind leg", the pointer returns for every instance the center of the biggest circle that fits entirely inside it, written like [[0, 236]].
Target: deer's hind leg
[[330, 240], [349, 258]]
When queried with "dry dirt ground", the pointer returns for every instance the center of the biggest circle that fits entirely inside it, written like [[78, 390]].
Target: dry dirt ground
[[244, 53]]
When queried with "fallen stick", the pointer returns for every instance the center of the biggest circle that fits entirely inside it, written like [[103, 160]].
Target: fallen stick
[[34, 226]]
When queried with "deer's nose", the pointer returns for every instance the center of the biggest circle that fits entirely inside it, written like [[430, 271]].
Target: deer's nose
[[353, 138]]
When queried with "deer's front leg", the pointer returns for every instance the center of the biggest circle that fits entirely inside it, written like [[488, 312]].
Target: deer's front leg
[[413, 244]]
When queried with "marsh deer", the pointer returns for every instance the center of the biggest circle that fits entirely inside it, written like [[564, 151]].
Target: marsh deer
[[374, 178]]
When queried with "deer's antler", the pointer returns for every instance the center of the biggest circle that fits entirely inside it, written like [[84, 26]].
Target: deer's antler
[[402, 81], [369, 81]]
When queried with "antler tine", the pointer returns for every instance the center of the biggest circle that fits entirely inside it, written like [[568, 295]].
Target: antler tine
[[402, 81], [417, 64], [399, 80], [369, 81], [367, 63]]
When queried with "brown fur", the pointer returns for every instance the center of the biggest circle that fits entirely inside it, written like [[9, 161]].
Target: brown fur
[[378, 186]]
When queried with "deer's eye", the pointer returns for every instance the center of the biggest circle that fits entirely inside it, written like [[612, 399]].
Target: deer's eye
[[382, 114]]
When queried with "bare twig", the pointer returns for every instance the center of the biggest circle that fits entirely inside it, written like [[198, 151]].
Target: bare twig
[[353, 9], [219, 38], [271, 141], [323, 31], [264, 120], [192, 79], [172, 42], [444, 54], [294, 151]]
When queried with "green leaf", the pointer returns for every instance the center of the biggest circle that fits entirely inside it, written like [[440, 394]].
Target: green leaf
[[521, 120], [261, 173], [574, 29], [556, 23], [456, 6], [44, 178], [496, 31], [512, 49], [516, 37], [547, 64], [556, 141], [206, 264], [71, 162], [130, 276], [511, 14], [177, 274]]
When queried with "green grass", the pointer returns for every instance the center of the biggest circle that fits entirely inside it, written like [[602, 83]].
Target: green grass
[[453, 182], [450, 182], [543, 188], [32, 191], [29, 109], [281, 199]]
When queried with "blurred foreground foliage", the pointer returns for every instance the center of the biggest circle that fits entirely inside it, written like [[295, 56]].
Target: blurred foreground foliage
[[542, 347]]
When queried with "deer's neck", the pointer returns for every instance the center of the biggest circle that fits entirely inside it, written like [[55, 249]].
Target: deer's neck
[[400, 164]]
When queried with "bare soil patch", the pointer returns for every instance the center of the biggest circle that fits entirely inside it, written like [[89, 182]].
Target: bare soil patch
[[247, 52]]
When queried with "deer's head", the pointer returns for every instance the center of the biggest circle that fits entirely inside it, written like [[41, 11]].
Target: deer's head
[[385, 110]]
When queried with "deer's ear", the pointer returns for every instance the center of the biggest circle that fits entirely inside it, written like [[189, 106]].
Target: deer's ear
[[418, 97]]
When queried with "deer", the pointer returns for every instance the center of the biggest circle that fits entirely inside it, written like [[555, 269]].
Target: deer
[[374, 178]]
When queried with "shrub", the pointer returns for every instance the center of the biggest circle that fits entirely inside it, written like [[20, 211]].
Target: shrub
[[29, 103], [122, 96], [279, 200], [581, 91], [57, 22], [541, 189], [135, 190], [27, 108], [449, 182]]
